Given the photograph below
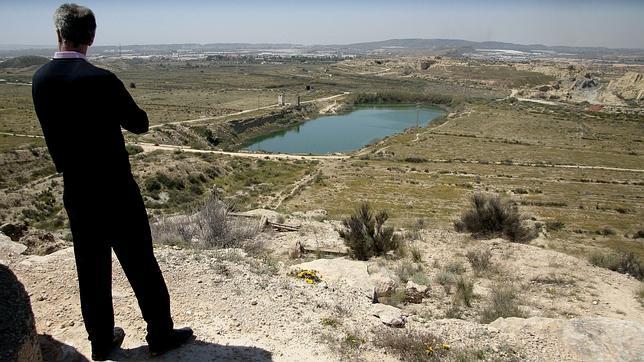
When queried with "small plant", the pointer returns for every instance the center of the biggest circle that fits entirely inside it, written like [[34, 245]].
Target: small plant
[[446, 280], [606, 231], [493, 216], [416, 254], [639, 294], [330, 322], [455, 267], [480, 260], [503, 304], [412, 345], [353, 341], [397, 298], [133, 149], [464, 291], [407, 271], [554, 225], [309, 276], [365, 235]]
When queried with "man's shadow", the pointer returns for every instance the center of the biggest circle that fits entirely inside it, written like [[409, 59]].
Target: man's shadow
[[199, 351]]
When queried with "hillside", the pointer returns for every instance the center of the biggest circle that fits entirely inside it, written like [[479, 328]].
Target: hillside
[[23, 61], [572, 309]]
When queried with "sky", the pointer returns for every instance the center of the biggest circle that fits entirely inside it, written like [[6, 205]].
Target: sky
[[610, 23]]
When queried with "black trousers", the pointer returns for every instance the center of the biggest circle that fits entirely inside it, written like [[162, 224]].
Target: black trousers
[[108, 214]]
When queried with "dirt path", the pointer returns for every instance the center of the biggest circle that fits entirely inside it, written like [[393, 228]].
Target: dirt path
[[324, 99], [147, 147], [20, 135], [296, 188]]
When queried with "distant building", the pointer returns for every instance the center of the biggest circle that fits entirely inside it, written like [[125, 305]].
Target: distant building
[[280, 100]]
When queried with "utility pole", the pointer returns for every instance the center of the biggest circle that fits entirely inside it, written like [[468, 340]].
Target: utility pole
[[417, 115]]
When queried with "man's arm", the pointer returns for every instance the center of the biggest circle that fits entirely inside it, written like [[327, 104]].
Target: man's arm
[[132, 118]]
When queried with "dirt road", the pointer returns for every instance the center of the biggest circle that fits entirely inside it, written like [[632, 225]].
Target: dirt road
[[147, 147], [324, 99]]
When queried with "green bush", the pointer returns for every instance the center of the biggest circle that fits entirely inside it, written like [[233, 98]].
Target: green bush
[[493, 216], [365, 234], [133, 149]]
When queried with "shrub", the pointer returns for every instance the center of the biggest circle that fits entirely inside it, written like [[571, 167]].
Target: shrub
[[210, 227], [446, 280], [554, 225], [493, 216], [416, 254], [464, 291], [480, 260], [412, 345], [606, 231], [455, 267], [365, 235], [639, 294], [503, 304], [169, 182], [639, 234], [133, 149], [625, 263], [407, 271], [152, 185]]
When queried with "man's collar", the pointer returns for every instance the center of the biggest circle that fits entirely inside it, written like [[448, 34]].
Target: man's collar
[[69, 55]]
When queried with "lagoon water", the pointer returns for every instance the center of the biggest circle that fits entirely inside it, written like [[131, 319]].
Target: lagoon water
[[347, 132]]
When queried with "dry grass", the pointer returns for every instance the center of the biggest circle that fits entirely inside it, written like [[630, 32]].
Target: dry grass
[[503, 303], [464, 291], [625, 263], [479, 260], [210, 227], [411, 345]]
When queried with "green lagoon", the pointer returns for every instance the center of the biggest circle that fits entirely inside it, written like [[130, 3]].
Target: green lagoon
[[346, 132]]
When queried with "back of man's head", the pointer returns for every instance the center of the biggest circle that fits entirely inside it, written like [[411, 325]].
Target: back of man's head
[[75, 24]]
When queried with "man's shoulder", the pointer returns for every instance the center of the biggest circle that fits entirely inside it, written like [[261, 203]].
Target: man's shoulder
[[78, 69]]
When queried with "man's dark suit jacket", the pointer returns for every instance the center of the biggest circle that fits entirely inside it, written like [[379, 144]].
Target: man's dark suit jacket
[[81, 109]]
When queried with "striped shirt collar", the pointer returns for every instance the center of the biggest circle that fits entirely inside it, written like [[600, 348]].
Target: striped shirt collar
[[69, 55]]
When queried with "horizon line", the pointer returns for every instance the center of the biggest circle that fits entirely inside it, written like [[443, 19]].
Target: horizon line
[[53, 46]]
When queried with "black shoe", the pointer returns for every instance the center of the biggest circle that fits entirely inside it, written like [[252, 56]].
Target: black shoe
[[163, 344], [101, 351]]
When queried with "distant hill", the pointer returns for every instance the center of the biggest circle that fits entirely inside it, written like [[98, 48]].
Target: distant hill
[[23, 62]]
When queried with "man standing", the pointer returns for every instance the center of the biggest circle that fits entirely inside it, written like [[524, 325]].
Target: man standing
[[81, 109]]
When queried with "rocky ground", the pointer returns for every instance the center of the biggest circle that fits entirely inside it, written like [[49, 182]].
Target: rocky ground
[[255, 307]]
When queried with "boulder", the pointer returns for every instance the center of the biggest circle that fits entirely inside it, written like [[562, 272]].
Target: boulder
[[383, 285], [42, 243], [18, 337], [340, 272], [389, 315], [9, 247], [14, 231], [597, 338], [414, 293]]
